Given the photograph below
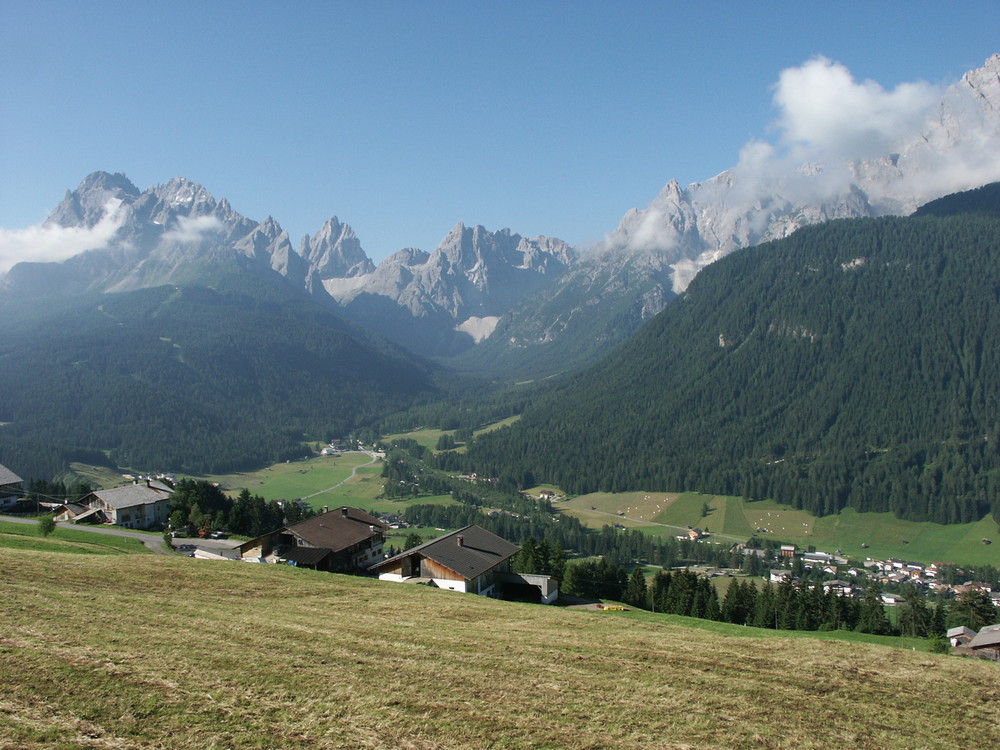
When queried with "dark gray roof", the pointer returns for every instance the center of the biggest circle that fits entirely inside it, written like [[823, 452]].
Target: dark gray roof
[[480, 551], [132, 494], [339, 529], [306, 555], [988, 637], [8, 477]]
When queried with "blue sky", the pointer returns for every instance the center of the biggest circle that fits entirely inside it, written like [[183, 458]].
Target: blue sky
[[403, 118]]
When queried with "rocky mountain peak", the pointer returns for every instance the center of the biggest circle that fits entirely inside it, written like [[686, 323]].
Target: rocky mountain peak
[[184, 196], [335, 252], [89, 203]]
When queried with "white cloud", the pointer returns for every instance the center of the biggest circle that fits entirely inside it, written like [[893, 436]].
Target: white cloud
[[828, 124], [51, 242], [900, 147], [824, 110], [192, 228]]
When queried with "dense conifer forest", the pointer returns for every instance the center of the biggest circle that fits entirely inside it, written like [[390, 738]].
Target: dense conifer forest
[[853, 364], [191, 379]]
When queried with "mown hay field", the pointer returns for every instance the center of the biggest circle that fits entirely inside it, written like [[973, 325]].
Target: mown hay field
[[160, 652], [882, 534]]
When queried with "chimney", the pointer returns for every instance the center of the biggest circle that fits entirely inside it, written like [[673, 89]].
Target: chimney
[[460, 540], [343, 512]]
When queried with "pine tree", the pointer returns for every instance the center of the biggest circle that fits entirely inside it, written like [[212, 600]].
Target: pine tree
[[871, 618], [526, 561], [973, 609], [557, 561], [635, 591]]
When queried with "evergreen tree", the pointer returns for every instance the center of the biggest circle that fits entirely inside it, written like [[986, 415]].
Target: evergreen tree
[[635, 591], [557, 561], [915, 619], [973, 609], [526, 561], [658, 591], [765, 614], [871, 618]]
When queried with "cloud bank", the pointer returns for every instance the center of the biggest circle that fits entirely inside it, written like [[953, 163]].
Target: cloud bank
[[836, 147], [823, 111], [51, 242], [191, 229], [831, 131]]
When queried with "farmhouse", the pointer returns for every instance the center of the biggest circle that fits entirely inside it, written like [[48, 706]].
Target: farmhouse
[[10, 487], [135, 506], [471, 560], [961, 635], [343, 540], [987, 642]]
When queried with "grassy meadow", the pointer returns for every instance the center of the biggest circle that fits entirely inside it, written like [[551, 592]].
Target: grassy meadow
[[730, 518], [144, 651], [68, 541], [429, 437], [320, 480]]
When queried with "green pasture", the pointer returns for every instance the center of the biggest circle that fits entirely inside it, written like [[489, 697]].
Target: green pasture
[[396, 537], [660, 514], [97, 476], [317, 477], [428, 437], [496, 425], [399, 505], [70, 541]]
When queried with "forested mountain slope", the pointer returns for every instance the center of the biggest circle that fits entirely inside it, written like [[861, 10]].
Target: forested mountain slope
[[232, 373], [853, 364]]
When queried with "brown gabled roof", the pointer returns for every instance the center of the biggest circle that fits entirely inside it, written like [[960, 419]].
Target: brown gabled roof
[[479, 552], [338, 529]]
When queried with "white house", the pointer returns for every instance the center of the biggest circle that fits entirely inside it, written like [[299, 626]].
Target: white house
[[135, 506]]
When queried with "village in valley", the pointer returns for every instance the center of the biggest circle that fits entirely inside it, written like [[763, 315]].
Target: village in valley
[[473, 560]]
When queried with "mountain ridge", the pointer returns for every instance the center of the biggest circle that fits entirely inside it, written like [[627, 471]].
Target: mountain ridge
[[851, 364], [684, 229]]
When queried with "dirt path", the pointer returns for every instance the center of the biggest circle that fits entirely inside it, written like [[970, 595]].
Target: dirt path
[[354, 473]]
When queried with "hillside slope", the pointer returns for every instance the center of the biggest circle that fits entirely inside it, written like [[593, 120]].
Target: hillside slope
[[233, 373], [145, 652], [853, 364]]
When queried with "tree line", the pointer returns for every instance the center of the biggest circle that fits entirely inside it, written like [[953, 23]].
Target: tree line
[[200, 506]]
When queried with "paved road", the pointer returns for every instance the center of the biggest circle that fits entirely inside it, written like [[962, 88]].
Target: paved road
[[154, 543]]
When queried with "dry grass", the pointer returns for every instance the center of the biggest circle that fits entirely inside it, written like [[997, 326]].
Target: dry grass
[[160, 652]]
